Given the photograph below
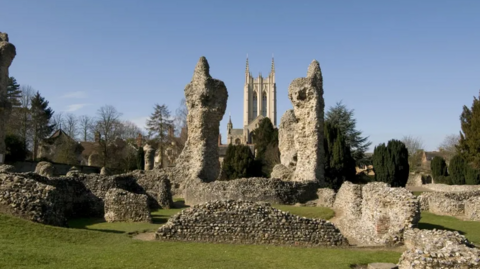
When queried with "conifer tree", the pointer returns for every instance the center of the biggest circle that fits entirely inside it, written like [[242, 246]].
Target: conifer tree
[[41, 115], [339, 163], [457, 169], [158, 126], [469, 144], [438, 166], [13, 92], [265, 138], [390, 163], [340, 116], [238, 162]]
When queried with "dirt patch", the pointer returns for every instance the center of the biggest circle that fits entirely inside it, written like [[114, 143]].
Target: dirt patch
[[145, 236]]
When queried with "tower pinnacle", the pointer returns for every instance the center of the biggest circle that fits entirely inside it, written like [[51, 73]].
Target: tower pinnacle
[[247, 68], [273, 64]]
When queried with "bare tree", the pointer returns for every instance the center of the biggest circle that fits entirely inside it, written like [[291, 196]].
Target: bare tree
[[448, 147], [71, 125], [415, 150], [108, 124], [129, 131], [58, 120], [180, 121], [24, 113], [86, 126]]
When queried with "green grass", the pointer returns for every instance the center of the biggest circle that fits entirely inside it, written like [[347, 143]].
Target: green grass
[[471, 229], [308, 211], [31, 245]]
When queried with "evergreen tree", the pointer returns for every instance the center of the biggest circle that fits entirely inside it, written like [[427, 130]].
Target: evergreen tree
[[390, 163], [469, 144], [472, 176], [265, 138], [140, 159], [457, 170], [438, 166], [158, 126], [238, 162], [340, 116], [16, 149], [41, 115], [13, 92], [339, 163]]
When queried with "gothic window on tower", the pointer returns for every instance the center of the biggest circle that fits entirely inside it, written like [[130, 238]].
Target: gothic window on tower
[[254, 104], [264, 104]]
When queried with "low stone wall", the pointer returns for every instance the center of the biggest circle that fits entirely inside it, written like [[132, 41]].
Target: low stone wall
[[121, 205], [248, 223], [157, 186], [60, 169], [375, 214], [438, 249], [326, 197], [446, 203], [32, 200], [472, 209], [414, 180], [5, 168], [270, 190], [451, 188]]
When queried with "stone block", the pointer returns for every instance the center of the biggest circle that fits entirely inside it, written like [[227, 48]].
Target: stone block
[[124, 206]]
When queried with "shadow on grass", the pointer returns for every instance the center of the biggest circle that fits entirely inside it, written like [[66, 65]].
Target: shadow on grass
[[83, 223], [430, 226]]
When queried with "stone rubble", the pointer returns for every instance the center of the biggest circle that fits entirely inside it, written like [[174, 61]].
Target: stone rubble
[[6, 168], [375, 214], [247, 222], [438, 249], [45, 169], [306, 95], [124, 206]]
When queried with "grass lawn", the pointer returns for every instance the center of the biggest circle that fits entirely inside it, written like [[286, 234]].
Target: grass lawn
[[471, 229]]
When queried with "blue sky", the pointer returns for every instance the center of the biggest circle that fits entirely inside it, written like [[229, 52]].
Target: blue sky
[[405, 67]]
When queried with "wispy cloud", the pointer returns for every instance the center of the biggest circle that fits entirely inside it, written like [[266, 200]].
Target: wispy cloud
[[78, 95], [75, 107]]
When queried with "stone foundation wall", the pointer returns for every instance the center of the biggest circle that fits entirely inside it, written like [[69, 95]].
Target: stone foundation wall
[[60, 169], [446, 203], [451, 188], [472, 209], [438, 249], [326, 197], [375, 214], [270, 190], [248, 223], [26, 198], [121, 205]]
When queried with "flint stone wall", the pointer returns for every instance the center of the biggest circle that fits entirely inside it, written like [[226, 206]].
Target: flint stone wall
[[326, 197], [7, 54], [414, 180], [121, 205], [375, 214], [306, 95], [248, 223], [438, 249], [446, 203], [282, 172], [451, 188], [286, 139], [156, 185], [472, 209], [26, 198], [206, 100], [270, 190], [5, 168]]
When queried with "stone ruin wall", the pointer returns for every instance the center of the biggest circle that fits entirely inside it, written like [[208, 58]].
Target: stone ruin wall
[[375, 214], [252, 189], [450, 188], [458, 204], [438, 249], [306, 95], [206, 100], [53, 200], [7, 54], [247, 222], [125, 206]]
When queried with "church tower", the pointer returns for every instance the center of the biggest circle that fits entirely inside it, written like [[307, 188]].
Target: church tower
[[260, 96]]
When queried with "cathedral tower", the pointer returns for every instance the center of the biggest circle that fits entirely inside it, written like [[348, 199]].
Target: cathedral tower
[[260, 96]]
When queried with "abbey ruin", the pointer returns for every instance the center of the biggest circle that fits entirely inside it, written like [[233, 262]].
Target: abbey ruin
[[240, 210]]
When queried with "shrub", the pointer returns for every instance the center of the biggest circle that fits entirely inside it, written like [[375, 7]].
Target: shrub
[[16, 149], [239, 162], [472, 176], [457, 170], [443, 180], [390, 163], [438, 167]]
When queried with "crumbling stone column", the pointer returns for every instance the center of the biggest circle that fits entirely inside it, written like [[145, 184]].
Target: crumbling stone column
[[206, 103], [7, 53], [286, 139], [149, 157], [306, 95]]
